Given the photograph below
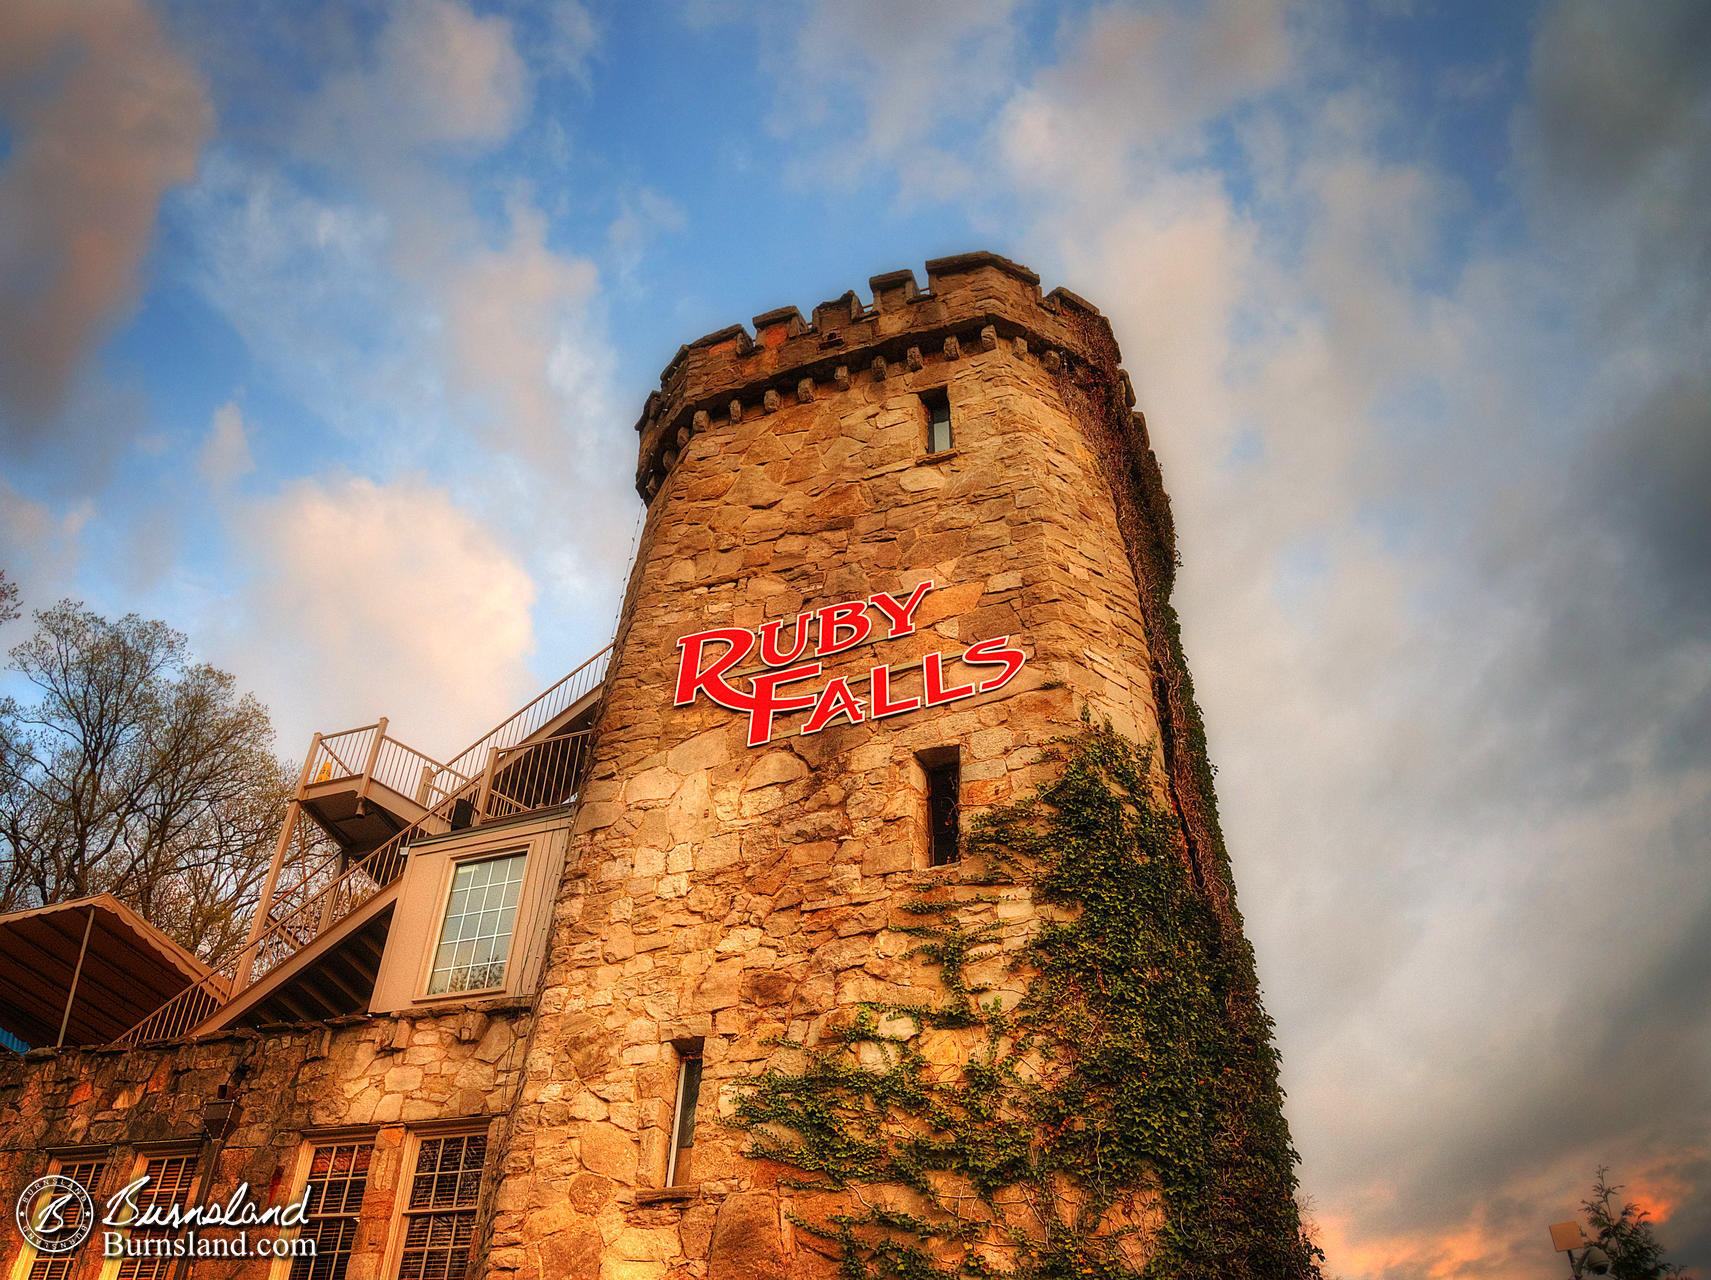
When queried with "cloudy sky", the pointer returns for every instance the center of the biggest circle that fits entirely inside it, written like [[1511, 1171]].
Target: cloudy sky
[[323, 329]]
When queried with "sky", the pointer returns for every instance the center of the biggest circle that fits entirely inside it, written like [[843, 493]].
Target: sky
[[323, 328]]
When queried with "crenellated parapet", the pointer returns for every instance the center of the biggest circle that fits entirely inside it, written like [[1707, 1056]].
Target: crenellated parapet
[[972, 302]]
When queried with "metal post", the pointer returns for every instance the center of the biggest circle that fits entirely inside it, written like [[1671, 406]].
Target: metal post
[[486, 791], [264, 906], [76, 977], [368, 766]]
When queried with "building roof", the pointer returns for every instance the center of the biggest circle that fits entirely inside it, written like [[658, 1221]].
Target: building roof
[[129, 969]]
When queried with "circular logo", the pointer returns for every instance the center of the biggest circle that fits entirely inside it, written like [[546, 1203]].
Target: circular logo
[[55, 1214]]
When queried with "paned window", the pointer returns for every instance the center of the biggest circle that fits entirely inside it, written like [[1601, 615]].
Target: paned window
[[439, 1216], [171, 1179], [481, 914], [338, 1176], [87, 1173]]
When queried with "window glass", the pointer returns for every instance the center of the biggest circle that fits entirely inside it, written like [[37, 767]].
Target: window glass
[[338, 1176], [683, 1133], [481, 914], [87, 1174], [170, 1179], [938, 425], [439, 1218]]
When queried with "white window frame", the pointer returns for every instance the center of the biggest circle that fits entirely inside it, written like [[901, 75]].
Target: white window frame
[[449, 878], [685, 1056], [311, 1143], [401, 1211]]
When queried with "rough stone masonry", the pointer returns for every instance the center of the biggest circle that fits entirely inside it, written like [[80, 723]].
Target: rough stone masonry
[[719, 896]]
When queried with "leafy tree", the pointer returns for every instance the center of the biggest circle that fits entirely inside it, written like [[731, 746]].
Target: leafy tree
[[134, 770], [1625, 1234]]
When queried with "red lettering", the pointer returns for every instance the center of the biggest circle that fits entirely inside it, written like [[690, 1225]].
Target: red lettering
[[880, 680], [765, 702], [851, 616], [769, 650], [691, 679], [995, 653], [933, 675], [835, 700], [900, 617]]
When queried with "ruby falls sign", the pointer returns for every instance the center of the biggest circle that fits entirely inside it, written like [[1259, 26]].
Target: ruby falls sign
[[818, 634]]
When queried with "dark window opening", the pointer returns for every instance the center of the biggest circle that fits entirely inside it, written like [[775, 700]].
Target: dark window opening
[[944, 787], [680, 1170], [939, 437]]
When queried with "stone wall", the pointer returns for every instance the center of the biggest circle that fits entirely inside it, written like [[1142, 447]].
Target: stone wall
[[384, 1073], [726, 894]]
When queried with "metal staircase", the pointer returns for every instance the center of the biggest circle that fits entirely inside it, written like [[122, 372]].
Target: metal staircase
[[369, 797]]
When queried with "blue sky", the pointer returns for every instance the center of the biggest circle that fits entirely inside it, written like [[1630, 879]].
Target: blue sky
[[323, 329]]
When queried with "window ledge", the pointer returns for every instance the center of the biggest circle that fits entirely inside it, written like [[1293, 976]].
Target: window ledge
[[668, 1195], [464, 997], [943, 455]]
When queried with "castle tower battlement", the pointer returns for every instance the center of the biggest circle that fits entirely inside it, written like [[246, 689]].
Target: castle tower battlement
[[861, 912], [890, 555], [973, 301]]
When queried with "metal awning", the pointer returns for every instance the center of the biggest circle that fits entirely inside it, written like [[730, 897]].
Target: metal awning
[[87, 971]]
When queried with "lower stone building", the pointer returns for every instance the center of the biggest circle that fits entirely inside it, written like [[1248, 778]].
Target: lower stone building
[[862, 911]]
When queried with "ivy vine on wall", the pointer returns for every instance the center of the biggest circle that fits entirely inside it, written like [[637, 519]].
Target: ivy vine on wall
[[1093, 1094]]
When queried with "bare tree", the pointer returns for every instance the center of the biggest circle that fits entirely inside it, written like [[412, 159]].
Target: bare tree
[[135, 770]]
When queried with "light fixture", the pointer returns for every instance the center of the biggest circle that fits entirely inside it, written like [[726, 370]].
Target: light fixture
[[1567, 1237]]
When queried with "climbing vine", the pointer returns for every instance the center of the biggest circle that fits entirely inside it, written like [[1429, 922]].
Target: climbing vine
[[1093, 1094]]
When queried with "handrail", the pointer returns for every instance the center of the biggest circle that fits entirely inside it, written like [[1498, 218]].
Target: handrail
[[194, 1004], [529, 719], [535, 775], [395, 764]]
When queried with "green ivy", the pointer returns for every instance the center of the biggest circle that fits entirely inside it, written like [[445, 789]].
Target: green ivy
[[1121, 1118]]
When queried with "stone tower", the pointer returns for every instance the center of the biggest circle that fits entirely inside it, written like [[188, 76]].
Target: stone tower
[[891, 554]]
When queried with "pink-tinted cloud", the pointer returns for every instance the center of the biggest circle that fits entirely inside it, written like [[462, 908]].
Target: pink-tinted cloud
[[104, 115]]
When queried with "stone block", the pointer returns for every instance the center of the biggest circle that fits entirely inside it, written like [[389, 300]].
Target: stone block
[[608, 1151], [745, 1242]]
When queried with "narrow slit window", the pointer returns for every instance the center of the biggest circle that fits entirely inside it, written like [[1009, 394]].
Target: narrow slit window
[[944, 786], [481, 915], [939, 437], [679, 1171]]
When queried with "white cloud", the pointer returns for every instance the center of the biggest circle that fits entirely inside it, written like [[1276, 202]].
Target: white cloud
[[410, 289], [38, 549], [882, 81], [507, 313], [1141, 78], [438, 75], [225, 457], [366, 600], [1445, 588]]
